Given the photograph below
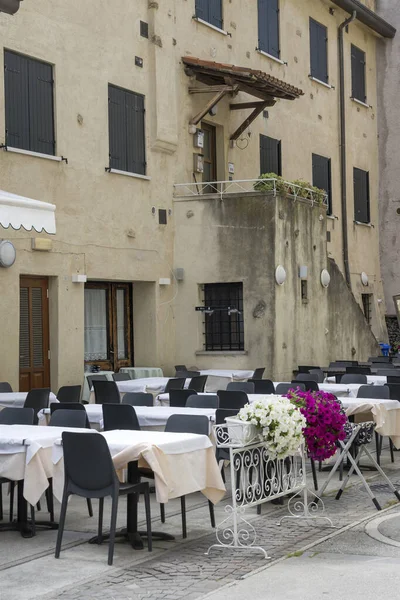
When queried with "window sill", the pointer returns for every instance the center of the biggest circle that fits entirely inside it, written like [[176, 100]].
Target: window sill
[[363, 224], [360, 102], [31, 153], [207, 24], [327, 85], [221, 352], [332, 217], [128, 174], [274, 58]]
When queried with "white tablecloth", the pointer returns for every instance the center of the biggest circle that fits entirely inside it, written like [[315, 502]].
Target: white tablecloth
[[86, 391], [17, 399], [218, 379], [371, 379], [338, 389], [142, 372]]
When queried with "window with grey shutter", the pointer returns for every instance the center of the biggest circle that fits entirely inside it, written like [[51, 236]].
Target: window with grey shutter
[[126, 114], [210, 11], [321, 171], [270, 155], [319, 51], [358, 74], [29, 104], [268, 27], [361, 196]]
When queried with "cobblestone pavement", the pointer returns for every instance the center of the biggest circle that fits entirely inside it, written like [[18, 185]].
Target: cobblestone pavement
[[184, 571]]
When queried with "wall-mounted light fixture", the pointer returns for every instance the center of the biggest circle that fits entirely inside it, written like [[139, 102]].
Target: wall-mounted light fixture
[[8, 254], [364, 278], [280, 275], [325, 278], [79, 278]]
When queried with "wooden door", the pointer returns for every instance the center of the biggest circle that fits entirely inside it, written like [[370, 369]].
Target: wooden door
[[108, 325], [210, 153], [34, 362]]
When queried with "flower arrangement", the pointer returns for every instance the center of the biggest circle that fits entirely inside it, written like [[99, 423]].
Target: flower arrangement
[[280, 425], [325, 419]]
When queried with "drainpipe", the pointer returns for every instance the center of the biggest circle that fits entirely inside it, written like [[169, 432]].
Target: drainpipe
[[343, 161]]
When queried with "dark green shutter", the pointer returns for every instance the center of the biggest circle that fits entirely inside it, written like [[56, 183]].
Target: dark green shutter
[[319, 51], [321, 170], [136, 159], [41, 107], [210, 11], [201, 9], [268, 27], [16, 100], [361, 196], [117, 128], [270, 155], [358, 74]]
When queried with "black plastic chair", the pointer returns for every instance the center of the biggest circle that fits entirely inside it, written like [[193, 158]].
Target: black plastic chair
[[177, 398], [373, 391], [283, 388], [343, 363], [359, 370], [68, 418], [379, 359], [138, 399], [91, 378], [90, 473], [54, 406], [262, 386], [393, 379], [354, 378], [258, 373], [232, 399], [310, 384], [307, 368], [319, 373], [69, 393], [106, 392], [186, 374], [203, 401], [198, 383], [307, 377], [120, 416], [5, 387], [175, 384], [180, 368], [240, 386], [388, 372], [16, 416], [121, 377], [37, 399], [394, 390]]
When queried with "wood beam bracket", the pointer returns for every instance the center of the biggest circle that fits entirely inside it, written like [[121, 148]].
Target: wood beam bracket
[[261, 106], [213, 102]]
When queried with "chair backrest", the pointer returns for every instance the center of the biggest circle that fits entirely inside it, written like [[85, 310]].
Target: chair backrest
[[106, 392], [232, 399], [69, 393], [373, 391], [5, 387], [68, 418], [319, 373], [388, 372], [240, 386], [222, 413], [177, 398], [37, 399], [354, 378], [186, 374], [87, 462], [198, 383], [263, 386], [138, 399], [393, 379], [258, 373], [307, 368], [120, 416], [283, 388], [359, 370], [121, 377], [307, 377], [175, 384], [180, 368], [54, 406], [203, 401], [91, 378], [394, 390], [188, 424], [343, 363], [310, 384], [379, 359], [16, 416]]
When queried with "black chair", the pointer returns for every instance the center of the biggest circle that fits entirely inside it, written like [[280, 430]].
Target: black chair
[[344, 363], [177, 398], [70, 406], [240, 386], [69, 393], [189, 424], [379, 359], [16, 416], [283, 388], [393, 379], [374, 391], [307, 368], [307, 377], [106, 392], [262, 386], [91, 378], [388, 372], [232, 399], [394, 390], [359, 370], [5, 387], [258, 373], [223, 454], [203, 401], [310, 384], [186, 374], [120, 416], [37, 399], [121, 377], [319, 373], [354, 378], [175, 384], [90, 473], [198, 383], [68, 418], [138, 399], [180, 368]]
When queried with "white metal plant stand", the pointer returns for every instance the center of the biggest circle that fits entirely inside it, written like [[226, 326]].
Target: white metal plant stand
[[256, 479]]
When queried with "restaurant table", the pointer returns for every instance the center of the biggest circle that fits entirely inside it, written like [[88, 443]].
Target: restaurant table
[[371, 380], [218, 379], [17, 399], [142, 372], [85, 389]]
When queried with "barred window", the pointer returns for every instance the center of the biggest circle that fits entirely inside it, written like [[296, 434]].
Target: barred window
[[224, 323]]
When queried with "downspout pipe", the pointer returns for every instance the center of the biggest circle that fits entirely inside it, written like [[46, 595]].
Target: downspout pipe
[[343, 157]]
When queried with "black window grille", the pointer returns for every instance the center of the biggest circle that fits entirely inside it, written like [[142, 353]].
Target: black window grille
[[319, 51], [270, 155], [358, 74], [268, 27], [224, 323], [321, 169], [361, 196], [366, 301], [29, 103], [210, 11]]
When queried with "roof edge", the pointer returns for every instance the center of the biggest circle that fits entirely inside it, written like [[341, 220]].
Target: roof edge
[[368, 17]]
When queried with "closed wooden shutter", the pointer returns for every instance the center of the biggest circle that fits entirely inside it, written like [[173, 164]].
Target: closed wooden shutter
[[16, 100], [24, 330], [136, 155], [210, 11], [358, 74], [117, 128], [319, 51], [201, 9], [321, 168], [268, 27], [37, 327], [41, 111], [270, 155], [361, 196]]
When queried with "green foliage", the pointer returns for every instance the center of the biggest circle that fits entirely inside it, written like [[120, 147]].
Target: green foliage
[[303, 189]]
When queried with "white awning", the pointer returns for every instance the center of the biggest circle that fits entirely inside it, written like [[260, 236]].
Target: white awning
[[18, 212]]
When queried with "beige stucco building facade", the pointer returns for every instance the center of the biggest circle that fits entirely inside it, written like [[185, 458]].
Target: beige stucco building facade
[[108, 223]]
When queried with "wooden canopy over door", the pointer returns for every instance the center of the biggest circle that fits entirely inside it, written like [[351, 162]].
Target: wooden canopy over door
[[34, 362]]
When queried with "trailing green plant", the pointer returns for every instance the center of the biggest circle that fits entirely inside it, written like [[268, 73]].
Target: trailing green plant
[[271, 182], [268, 182]]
